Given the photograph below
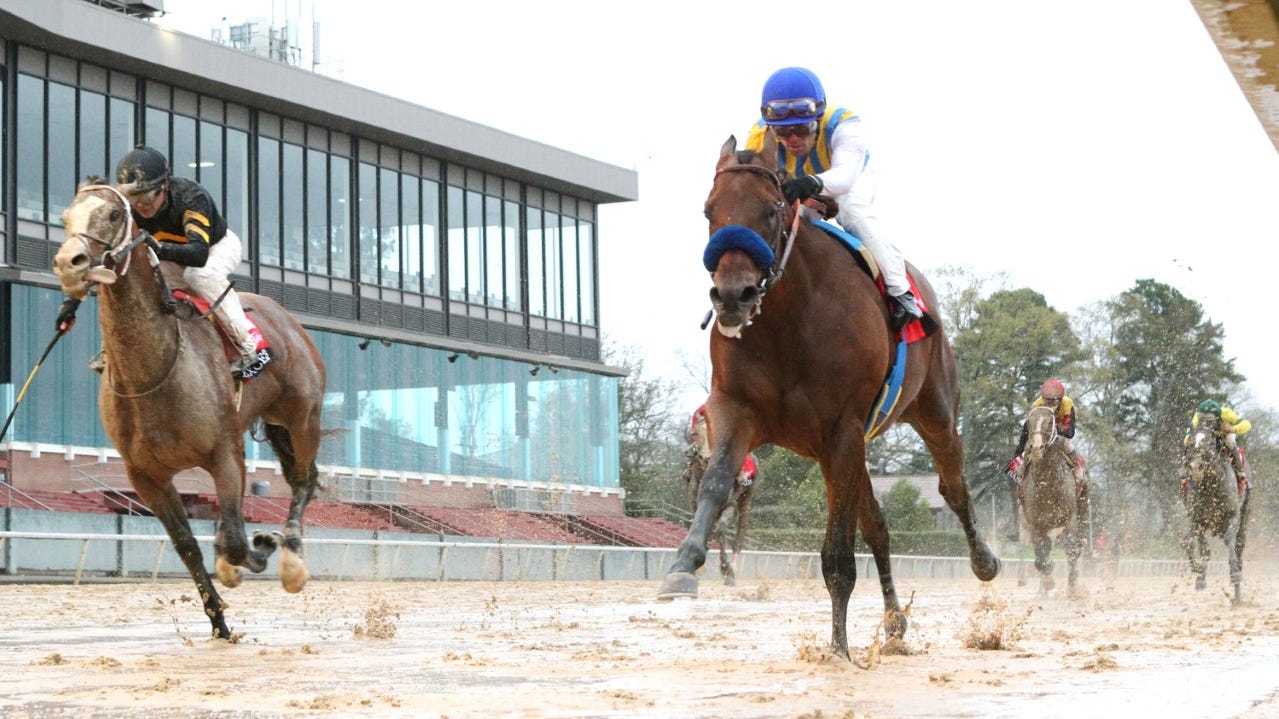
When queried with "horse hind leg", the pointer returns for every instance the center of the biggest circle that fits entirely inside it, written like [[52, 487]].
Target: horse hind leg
[[1193, 543], [297, 463], [947, 449]]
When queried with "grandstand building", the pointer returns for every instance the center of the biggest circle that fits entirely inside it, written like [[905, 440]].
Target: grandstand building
[[447, 271]]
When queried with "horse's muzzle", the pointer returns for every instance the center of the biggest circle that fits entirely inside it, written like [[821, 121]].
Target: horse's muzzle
[[71, 265], [735, 308]]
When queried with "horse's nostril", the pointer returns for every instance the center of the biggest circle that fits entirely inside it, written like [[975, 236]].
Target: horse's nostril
[[80, 260], [750, 294], [715, 294]]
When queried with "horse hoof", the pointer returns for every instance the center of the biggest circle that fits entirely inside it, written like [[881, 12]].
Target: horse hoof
[[229, 574], [267, 541], [730, 582], [293, 572], [895, 624], [1201, 583], [1047, 584], [678, 584], [985, 565]]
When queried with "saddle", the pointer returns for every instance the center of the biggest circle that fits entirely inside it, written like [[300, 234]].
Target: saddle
[[201, 307]]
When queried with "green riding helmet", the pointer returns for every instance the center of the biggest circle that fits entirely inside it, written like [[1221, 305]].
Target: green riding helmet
[[1209, 407]]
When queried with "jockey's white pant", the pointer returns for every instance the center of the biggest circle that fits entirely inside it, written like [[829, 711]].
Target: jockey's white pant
[[210, 280], [857, 215]]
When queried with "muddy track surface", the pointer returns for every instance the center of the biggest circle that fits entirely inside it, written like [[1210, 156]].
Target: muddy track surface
[[1123, 648]]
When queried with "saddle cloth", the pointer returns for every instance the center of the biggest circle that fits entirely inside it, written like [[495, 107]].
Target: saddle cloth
[[914, 331], [229, 346]]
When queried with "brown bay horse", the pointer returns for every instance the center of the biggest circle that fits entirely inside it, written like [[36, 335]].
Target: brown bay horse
[[1214, 507], [736, 512], [803, 370], [169, 402], [1051, 503]]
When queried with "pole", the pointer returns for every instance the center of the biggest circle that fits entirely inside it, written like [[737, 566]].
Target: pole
[[18, 401]]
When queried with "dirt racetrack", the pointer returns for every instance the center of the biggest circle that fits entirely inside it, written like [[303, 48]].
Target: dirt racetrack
[[1137, 648]]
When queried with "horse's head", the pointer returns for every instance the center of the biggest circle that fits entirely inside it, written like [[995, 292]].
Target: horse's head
[[1201, 452], [99, 229], [1041, 425], [747, 214]]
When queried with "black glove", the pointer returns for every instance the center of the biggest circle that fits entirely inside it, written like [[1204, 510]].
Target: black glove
[[66, 315], [155, 245], [801, 188]]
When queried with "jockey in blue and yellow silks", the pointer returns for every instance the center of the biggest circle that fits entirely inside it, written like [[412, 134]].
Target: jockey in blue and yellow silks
[[824, 151]]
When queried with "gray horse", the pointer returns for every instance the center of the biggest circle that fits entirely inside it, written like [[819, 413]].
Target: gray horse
[[1050, 501], [1214, 506]]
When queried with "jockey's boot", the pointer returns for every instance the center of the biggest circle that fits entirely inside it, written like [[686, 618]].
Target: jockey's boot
[[99, 362], [1081, 481], [903, 310], [1241, 481]]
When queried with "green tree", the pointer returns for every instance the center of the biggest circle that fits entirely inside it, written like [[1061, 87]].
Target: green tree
[[905, 510], [1168, 357], [650, 434], [1013, 342]]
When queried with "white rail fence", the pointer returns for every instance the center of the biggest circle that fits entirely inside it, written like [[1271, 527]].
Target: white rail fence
[[82, 556]]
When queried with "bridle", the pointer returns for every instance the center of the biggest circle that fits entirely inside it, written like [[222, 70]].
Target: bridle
[[121, 244], [781, 246]]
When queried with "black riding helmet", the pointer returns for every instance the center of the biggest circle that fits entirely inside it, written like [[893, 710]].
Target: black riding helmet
[[144, 168]]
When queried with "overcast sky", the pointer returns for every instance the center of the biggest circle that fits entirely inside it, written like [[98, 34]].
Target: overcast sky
[[1077, 147]]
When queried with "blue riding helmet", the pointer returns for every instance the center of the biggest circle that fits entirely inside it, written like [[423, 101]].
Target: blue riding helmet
[[792, 96]]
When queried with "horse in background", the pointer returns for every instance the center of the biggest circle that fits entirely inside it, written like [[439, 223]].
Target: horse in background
[[801, 349], [169, 402], [736, 513], [1050, 501], [1214, 507]]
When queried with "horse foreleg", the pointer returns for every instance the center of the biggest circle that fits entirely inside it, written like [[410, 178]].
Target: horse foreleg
[[1074, 547], [1043, 561], [230, 543], [717, 485], [875, 532], [166, 504], [1193, 544]]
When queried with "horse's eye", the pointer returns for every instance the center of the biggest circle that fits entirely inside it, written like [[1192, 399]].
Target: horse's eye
[[115, 215]]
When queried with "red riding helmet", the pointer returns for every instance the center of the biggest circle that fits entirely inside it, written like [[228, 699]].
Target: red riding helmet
[[1052, 389]]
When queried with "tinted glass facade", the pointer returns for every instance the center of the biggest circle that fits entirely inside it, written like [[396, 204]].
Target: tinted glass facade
[[454, 307]]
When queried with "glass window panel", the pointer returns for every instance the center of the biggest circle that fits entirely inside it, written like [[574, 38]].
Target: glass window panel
[[210, 164], [182, 158], [368, 224], [120, 136], [475, 248], [93, 136], [411, 217], [536, 265], [389, 212], [236, 209], [511, 251], [457, 243], [317, 212], [431, 237], [586, 259], [157, 131], [340, 221], [269, 201], [3, 133], [61, 156], [554, 263], [30, 144], [493, 252], [291, 209], [569, 243]]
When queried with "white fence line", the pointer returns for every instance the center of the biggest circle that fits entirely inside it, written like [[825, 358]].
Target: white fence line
[[423, 557]]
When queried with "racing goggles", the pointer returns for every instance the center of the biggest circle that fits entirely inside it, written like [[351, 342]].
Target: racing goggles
[[803, 130], [803, 107], [146, 197]]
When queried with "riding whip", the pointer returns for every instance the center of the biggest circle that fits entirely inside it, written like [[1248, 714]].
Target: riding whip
[[9, 419]]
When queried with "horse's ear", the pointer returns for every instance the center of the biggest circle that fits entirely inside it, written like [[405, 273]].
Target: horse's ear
[[729, 147]]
